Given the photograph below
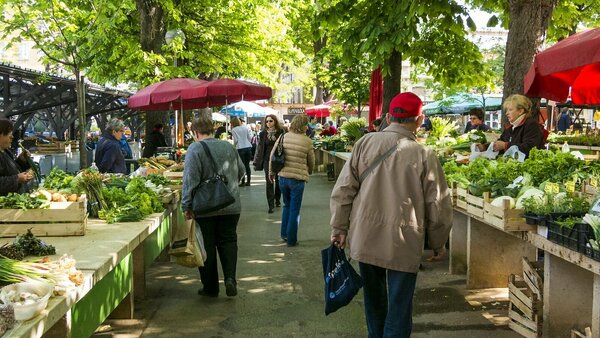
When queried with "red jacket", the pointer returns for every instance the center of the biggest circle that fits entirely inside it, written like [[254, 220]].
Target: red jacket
[[328, 132]]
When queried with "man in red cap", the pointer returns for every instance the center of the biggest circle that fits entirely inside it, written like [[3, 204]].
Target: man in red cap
[[391, 192]]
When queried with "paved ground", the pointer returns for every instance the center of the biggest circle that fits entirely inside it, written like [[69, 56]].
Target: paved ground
[[281, 288]]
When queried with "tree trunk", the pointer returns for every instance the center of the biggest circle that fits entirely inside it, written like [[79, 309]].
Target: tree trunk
[[153, 118], [152, 26], [81, 110], [526, 32], [392, 82], [319, 93]]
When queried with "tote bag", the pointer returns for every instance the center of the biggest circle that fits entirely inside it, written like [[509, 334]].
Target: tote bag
[[342, 282]]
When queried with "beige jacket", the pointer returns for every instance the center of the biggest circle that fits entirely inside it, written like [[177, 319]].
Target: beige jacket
[[299, 156], [386, 216]]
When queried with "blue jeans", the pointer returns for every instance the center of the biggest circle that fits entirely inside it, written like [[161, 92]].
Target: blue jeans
[[388, 296], [291, 191]]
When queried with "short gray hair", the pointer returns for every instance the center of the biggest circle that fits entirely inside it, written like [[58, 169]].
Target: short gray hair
[[403, 120], [114, 125]]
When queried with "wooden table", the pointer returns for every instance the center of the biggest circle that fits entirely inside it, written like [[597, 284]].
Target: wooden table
[[571, 294], [338, 159], [113, 258]]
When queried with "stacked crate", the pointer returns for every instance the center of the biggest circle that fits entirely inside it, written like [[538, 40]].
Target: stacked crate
[[525, 295]]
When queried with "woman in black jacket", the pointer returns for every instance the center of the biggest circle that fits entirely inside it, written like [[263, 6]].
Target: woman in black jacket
[[525, 132], [14, 173], [266, 140]]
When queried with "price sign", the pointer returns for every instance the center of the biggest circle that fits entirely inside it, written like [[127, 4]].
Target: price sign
[[551, 188], [594, 182], [570, 186]]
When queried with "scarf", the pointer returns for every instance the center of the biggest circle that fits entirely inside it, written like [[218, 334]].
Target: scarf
[[518, 121], [272, 135]]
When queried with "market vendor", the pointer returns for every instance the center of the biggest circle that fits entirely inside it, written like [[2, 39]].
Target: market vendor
[[476, 121], [328, 129], [524, 131], [14, 172], [109, 158], [155, 140]]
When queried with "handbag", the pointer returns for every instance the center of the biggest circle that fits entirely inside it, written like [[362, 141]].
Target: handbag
[[278, 157], [342, 282], [213, 193]]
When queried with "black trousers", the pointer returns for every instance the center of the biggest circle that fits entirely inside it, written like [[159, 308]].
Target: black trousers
[[246, 156], [273, 192], [220, 235]]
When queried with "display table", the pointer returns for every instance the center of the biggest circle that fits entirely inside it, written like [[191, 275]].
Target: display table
[[571, 294], [113, 258], [338, 159]]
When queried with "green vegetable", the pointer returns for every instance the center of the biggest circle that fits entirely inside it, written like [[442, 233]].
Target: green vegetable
[[125, 213], [22, 201], [90, 181], [33, 246], [158, 179]]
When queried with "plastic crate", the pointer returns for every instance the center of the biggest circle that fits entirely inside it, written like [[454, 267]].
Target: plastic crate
[[575, 239]]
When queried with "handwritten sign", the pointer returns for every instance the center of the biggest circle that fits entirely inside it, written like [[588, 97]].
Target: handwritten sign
[[594, 182], [570, 186]]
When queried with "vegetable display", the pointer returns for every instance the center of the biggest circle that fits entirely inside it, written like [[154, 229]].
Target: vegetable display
[[23, 201], [90, 181], [31, 245]]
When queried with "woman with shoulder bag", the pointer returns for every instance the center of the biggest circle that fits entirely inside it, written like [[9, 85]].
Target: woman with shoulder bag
[[219, 228], [266, 140], [299, 162]]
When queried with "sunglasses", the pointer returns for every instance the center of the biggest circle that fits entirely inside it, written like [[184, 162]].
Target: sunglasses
[[269, 121]]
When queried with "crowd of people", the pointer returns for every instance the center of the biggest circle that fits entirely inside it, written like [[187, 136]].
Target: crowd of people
[[391, 192]]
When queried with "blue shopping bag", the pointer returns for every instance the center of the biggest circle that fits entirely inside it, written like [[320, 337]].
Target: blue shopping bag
[[341, 280]]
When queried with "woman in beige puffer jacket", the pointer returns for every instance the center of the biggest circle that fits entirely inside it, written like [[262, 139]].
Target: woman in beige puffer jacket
[[299, 162]]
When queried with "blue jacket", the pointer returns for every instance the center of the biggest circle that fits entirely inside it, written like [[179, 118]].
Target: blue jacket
[[125, 148], [109, 157]]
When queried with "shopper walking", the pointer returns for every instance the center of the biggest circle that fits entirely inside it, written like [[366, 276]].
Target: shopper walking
[[219, 228], [299, 162], [266, 140], [388, 195], [243, 143]]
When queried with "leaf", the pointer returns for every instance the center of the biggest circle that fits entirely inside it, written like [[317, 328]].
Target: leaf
[[492, 21], [471, 24]]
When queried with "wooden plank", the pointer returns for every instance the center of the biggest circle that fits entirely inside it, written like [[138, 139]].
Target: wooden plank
[[526, 322], [43, 230], [567, 254], [519, 304], [173, 175], [532, 276], [522, 330]]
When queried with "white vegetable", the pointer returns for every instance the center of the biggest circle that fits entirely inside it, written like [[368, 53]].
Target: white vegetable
[[531, 192], [499, 201]]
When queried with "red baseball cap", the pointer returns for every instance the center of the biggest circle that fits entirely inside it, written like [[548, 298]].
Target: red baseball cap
[[405, 104]]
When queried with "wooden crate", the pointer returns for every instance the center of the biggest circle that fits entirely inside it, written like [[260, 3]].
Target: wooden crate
[[173, 175], [460, 198], [54, 147], [577, 334], [61, 219], [524, 309], [505, 218], [533, 275], [473, 205]]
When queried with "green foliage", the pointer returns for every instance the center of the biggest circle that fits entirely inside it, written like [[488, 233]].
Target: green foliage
[[59, 180], [441, 127], [354, 128]]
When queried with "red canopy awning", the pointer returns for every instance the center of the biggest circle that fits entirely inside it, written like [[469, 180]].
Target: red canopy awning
[[321, 110], [165, 95], [222, 91], [573, 63]]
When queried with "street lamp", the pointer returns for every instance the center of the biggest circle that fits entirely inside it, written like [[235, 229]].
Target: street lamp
[[169, 37]]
